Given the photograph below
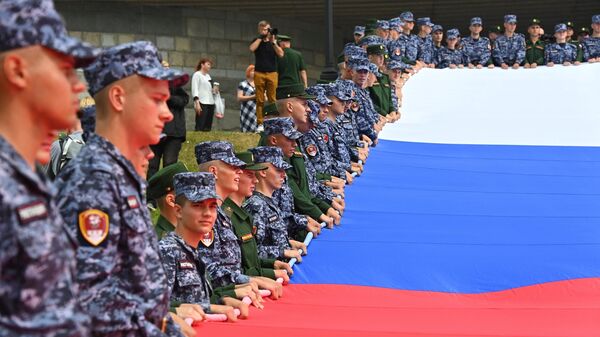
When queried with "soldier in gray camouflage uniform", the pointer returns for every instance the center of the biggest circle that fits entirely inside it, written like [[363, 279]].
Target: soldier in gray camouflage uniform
[[38, 290], [477, 48], [187, 276], [222, 255], [102, 197], [271, 229], [509, 48]]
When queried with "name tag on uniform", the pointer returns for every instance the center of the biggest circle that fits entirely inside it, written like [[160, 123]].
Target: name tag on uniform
[[32, 211], [273, 218], [132, 202], [186, 264], [247, 237]]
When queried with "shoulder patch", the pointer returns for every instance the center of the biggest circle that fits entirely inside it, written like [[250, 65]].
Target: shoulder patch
[[132, 202], [326, 137], [32, 211], [273, 218], [311, 150], [228, 210], [208, 238], [93, 226]]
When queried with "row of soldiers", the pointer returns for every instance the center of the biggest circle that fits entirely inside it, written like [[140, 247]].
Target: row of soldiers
[[81, 258], [428, 48]]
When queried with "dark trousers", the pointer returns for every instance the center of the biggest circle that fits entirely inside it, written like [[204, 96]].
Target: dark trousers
[[167, 150], [204, 121]]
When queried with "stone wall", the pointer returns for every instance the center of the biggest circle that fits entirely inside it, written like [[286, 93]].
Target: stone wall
[[186, 34]]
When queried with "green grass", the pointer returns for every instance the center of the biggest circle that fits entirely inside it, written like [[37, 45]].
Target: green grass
[[241, 142]]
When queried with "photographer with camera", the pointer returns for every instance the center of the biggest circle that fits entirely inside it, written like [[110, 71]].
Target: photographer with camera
[[266, 51]]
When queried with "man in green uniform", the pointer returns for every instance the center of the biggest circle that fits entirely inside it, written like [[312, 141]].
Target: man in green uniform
[[160, 189], [242, 225], [534, 46], [380, 91], [290, 68], [572, 39]]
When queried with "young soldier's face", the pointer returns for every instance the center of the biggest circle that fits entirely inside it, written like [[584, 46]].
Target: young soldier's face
[[247, 183], [323, 111], [228, 177], [475, 29], [534, 30], [337, 106], [561, 36], [596, 28], [141, 160], [426, 29], [357, 37], [274, 176], [145, 110], [52, 86], [287, 146], [437, 36], [360, 77], [199, 217], [510, 27], [377, 59]]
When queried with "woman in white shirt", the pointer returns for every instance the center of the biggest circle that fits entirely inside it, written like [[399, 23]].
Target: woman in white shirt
[[202, 92]]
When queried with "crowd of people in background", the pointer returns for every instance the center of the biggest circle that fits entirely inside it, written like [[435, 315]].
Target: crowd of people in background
[[82, 257]]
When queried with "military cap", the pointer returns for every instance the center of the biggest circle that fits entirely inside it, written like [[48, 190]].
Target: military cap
[[424, 22], [436, 28], [497, 29], [584, 30], [195, 186], [596, 18], [360, 30], [355, 52], [570, 24], [281, 125], [376, 49], [396, 24], [216, 150], [319, 93], [270, 109], [270, 154], [393, 65], [476, 21], [346, 89], [407, 17], [374, 69], [452, 33], [370, 25], [292, 90], [248, 158], [510, 18], [368, 40], [336, 90], [25, 23], [283, 38], [383, 24], [535, 22], [87, 116], [358, 64], [561, 27], [124, 60], [162, 181]]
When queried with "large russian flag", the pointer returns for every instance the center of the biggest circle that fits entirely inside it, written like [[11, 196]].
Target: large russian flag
[[478, 215]]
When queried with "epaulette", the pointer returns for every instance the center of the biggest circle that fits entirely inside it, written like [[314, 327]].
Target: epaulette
[[298, 154]]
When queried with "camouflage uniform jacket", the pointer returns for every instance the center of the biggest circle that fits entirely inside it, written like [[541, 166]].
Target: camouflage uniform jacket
[[271, 230], [477, 51], [38, 289], [122, 281]]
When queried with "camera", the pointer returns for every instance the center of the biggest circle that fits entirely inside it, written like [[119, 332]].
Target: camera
[[273, 31]]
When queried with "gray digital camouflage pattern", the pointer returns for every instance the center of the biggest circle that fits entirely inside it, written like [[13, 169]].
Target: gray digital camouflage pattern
[[122, 281], [271, 230]]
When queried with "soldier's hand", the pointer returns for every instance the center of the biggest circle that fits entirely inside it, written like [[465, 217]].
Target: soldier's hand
[[187, 330], [460, 66], [313, 226], [224, 309], [491, 66], [326, 219], [452, 66], [280, 265], [242, 292], [281, 273], [188, 310], [527, 66], [566, 63], [550, 64], [479, 66], [515, 66], [275, 288], [349, 178], [576, 63], [237, 304], [504, 66], [292, 253], [334, 215], [299, 245], [337, 206]]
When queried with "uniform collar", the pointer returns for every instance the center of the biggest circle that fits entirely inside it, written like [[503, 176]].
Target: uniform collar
[[12, 158], [181, 242], [164, 224], [235, 209], [112, 151]]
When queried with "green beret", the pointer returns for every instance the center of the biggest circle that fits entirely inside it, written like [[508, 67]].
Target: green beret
[[376, 49], [270, 109], [292, 90], [162, 181], [248, 158]]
